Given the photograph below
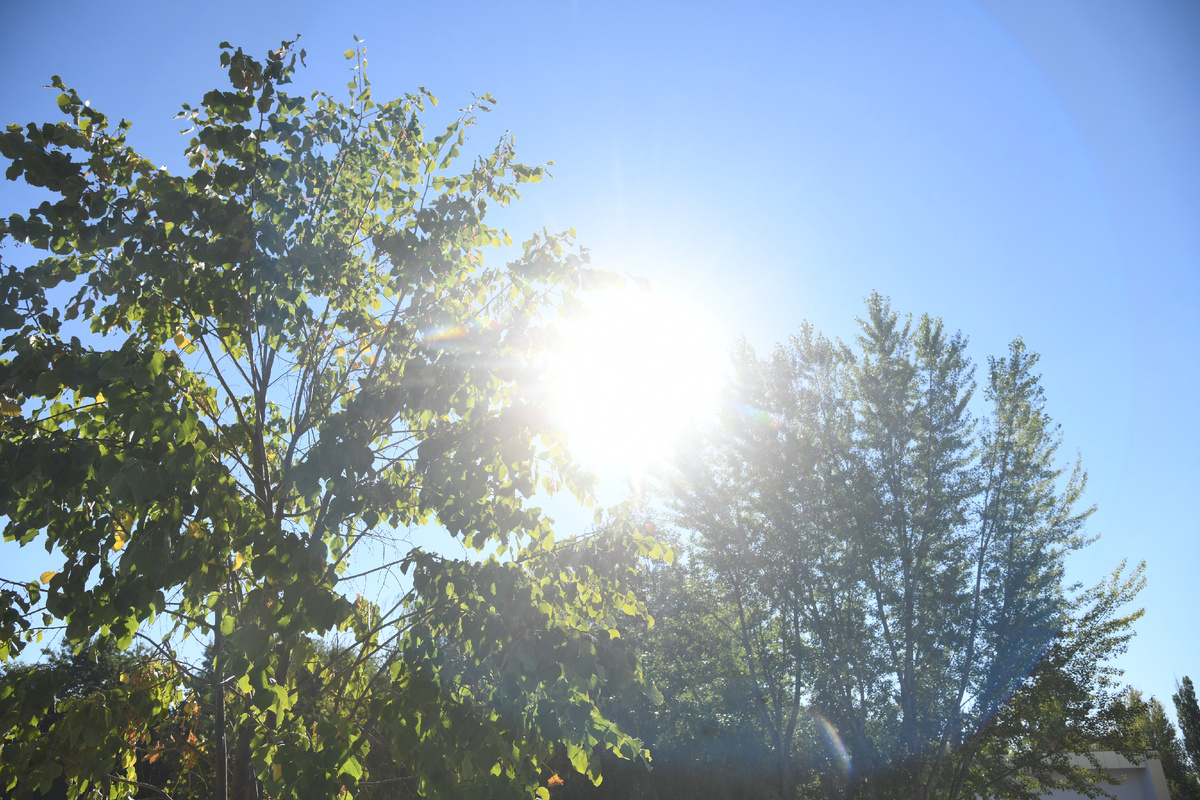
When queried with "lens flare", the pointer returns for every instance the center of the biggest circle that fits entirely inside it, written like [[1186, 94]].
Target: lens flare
[[447, 335], [836, 747], [758, 416]]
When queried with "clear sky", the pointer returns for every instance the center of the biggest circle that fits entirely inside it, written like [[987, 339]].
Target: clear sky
[[1017, 169]]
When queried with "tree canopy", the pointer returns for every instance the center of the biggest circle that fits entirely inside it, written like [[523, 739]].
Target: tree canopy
[[217, 386], [891, 566], [1152, 732], [1187, 710]]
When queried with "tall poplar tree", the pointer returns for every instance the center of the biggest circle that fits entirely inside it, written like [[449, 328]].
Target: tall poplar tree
[[893, 565], [1188, 713]]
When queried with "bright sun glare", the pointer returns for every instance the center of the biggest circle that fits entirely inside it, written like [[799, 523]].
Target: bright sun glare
[[634, 372]]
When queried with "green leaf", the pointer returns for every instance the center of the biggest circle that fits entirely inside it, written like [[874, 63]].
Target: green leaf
[[352, 768], [578, 757]]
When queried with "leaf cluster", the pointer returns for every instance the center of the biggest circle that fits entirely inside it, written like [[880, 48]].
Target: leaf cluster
[[218, 387]]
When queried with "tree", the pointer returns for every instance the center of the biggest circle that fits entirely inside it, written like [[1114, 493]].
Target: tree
[[1187, 711], [216, 386], [728, 490], [1066, 707], [894, 564], [1153, 732], [704, 736]]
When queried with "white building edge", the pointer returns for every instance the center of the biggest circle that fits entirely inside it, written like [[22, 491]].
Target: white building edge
[[1144, 778]]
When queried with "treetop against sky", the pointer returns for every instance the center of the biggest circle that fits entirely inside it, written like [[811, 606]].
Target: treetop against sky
[[1016, 171]]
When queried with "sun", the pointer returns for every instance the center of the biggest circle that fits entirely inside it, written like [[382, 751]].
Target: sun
[[634, 371]]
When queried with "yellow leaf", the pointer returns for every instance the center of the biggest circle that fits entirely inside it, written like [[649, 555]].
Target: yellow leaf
[[8, 409], [46, 576], [181, 341], [122, 525], [195, 530], [237, 562], [99, 397], [276, 771], [124, 678]]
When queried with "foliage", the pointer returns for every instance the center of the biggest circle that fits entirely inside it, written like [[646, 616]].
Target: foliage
[[97, 683], [1187, 711], [1152, 732], [1065, 708], [704, 735], [894, 565], [217, 386]]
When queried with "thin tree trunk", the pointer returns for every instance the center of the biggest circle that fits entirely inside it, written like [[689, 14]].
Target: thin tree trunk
[[222, 760], [243, 784]]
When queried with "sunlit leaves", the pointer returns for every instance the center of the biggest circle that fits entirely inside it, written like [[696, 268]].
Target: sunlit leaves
[[214, 386]]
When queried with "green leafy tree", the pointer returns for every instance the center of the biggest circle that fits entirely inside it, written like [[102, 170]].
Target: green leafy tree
[[1152, 732], [1187, 711], [895, 565], [217, 386], [1067, 707], [97, 678], [731, 491], [705, 735]]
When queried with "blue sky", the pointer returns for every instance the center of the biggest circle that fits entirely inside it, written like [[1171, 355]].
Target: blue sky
[[1017, 169]]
